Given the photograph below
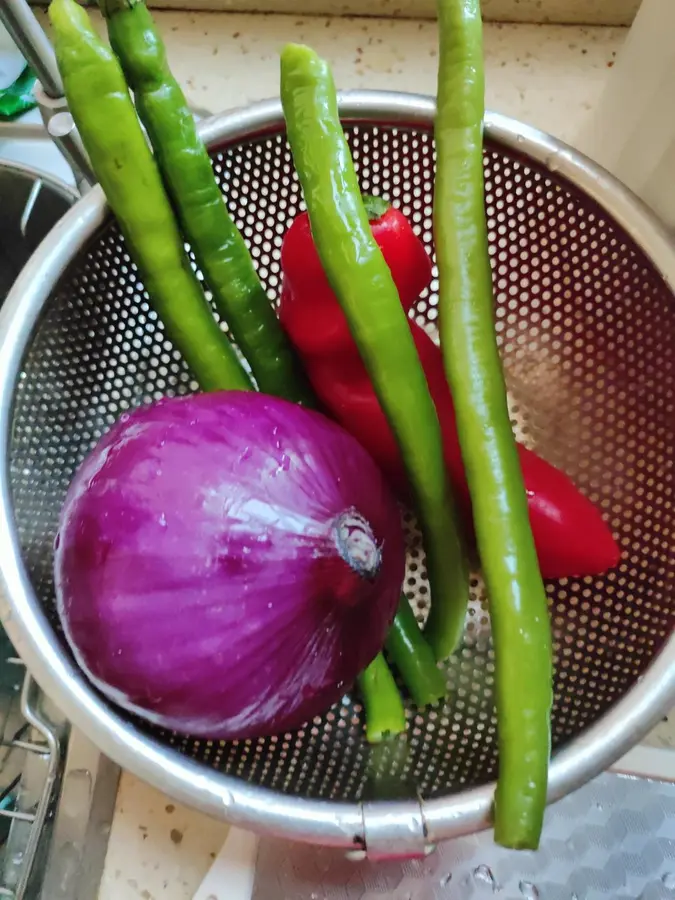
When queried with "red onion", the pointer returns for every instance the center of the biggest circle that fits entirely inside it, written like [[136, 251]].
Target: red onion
[[227, 564]]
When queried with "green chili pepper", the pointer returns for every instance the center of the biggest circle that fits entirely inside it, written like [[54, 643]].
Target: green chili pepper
[[105, 117], [385, 715], [521, 629], [219, 248], [362, 282], [414, 658]]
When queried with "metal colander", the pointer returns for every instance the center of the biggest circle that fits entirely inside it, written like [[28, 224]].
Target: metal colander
[[586, 319]]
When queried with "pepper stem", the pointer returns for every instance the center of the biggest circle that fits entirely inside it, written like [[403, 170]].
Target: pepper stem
[[356, 543], [375, 207], [110, 7], [385, 713]]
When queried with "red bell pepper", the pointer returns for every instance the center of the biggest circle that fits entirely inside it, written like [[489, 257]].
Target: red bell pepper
[[324, 327], [570, 535]]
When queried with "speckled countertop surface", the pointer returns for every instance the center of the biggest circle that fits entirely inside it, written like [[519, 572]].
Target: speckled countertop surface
[[580, 12], [549, 76]]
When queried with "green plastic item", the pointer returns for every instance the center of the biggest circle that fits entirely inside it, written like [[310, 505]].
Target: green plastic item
[[18, 97]]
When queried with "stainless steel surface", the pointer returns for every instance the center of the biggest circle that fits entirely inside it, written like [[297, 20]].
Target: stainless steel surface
[[613, 839], [383, 837], [584, 279], [26, 32]]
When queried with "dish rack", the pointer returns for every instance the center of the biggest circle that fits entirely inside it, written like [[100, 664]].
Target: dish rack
[[56, 796], [30, 762]]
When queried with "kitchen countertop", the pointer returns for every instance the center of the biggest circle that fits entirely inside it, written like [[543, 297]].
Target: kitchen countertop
[[549, 76], [580, 12]]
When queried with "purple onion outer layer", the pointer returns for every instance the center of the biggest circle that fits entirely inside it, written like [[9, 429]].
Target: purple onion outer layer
[[227, 564]]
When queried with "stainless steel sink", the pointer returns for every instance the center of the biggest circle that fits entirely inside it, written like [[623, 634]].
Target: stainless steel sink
[[57, 793]]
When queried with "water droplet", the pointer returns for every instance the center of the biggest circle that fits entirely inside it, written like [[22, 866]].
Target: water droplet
[[668, 880], [446, 879], [162, 521], [226, 798], [17, 858], [528, 890], [483, 874], [574, 896]]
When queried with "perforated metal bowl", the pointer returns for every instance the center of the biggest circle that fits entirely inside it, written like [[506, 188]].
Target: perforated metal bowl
[[586, 318]]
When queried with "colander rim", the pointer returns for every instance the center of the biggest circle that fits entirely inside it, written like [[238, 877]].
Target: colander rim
[[336, 823]]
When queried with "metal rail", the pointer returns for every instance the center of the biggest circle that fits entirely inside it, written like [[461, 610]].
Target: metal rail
[[27, 808], [25, 30]]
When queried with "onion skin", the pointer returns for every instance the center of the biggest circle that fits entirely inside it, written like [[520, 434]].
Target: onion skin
[[201, 564]]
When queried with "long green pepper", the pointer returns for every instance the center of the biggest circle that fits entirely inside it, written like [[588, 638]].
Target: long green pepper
[[100, 104], [219, 248], [521, 629], [362, 282], [413, 657]]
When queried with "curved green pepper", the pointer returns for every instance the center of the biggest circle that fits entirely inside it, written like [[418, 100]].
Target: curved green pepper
[[413, 657], [100, 104], [521, 629], [385, 715], [362, 282], [219, 248]]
